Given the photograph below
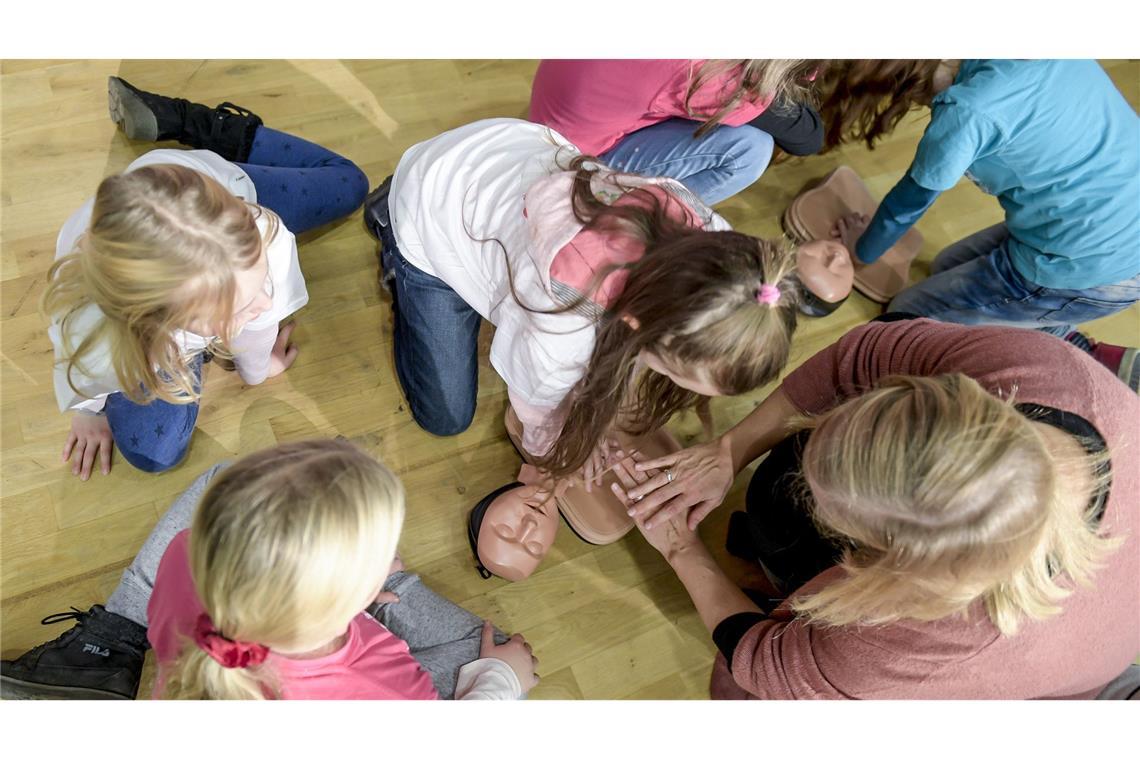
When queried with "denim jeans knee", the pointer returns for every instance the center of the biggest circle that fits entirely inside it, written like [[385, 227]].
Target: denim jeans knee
[[435, 344]]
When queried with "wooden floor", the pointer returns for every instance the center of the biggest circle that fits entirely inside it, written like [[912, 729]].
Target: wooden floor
[[606, 622]]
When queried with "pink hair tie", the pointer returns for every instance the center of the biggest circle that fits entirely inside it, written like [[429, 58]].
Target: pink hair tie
[[226, 652], [768, 294]]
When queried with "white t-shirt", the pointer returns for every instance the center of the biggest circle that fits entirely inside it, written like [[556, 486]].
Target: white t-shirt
[[459, 209], [98, 378]]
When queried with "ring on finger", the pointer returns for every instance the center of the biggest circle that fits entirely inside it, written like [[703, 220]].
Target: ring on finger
[[668, 476]]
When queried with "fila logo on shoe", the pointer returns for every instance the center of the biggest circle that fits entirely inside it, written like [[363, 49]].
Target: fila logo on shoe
[[96, 650]]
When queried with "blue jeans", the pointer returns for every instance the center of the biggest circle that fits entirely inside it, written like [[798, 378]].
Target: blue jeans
[[973, 282], [435, 342], [156, 436], [716, 166], [303, 183]]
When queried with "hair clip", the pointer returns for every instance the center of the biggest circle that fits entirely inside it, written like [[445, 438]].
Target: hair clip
[[768, 294]]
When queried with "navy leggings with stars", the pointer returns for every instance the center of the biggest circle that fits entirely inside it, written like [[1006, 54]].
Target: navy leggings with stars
[[304, 184], [156, 436]]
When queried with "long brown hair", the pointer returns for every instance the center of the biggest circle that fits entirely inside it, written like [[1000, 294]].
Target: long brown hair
[[163, 245], [783, 79], [864, 99], [694, 296]]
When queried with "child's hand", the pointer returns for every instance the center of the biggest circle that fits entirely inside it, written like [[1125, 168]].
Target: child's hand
[[602, 458], [848, 229], [284, 352], [90, 435], [516, 653]]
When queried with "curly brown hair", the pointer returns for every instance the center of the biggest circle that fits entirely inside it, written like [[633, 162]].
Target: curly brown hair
[[864, 99]]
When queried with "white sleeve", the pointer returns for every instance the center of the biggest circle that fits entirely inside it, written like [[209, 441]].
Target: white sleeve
[[487, 678], [252, 349], [717, 223], [541, 424], [710, 220], [289, 290], [541, 357]]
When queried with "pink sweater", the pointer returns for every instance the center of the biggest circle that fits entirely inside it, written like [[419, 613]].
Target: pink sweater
[[1071, 655], [595, 103], [373, 663]]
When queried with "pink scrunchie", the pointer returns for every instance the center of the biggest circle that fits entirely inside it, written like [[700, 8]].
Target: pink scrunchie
[[226, 652], [768, 294]]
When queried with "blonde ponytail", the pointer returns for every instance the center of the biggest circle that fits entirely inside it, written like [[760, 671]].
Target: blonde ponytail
[[287, 546]]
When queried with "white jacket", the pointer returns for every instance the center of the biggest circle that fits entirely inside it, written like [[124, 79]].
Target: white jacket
[[504, 179]]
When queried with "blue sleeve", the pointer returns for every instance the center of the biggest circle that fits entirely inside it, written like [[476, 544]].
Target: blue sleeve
[[956, 137], [904, 205]]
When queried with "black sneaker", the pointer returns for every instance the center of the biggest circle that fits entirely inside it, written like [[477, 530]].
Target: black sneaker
[[101, 657]]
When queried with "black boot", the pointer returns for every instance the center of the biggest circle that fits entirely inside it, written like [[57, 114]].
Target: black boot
[[227, 130], [101, 657]]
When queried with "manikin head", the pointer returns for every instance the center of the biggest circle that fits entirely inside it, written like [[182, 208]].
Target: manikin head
[[511, 530], [827, 273]]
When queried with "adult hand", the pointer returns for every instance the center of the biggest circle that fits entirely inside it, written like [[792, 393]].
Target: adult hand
[[90, 436], [284, 353], [848, 229], [667, 535], [515, 652], [691, 482]]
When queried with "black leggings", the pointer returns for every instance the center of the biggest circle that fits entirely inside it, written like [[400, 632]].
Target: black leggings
[[777, 529]]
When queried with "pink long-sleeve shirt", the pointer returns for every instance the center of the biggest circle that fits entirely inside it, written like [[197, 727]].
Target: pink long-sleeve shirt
[[595, 103], [1070, 655]]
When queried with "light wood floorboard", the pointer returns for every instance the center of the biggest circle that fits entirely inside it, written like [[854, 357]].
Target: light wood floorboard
[[607, 622]]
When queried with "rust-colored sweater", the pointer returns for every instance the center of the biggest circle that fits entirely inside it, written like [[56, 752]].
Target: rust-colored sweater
[[1071, 655]]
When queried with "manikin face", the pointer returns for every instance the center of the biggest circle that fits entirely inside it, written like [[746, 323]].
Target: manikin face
[[825, 268], [518, 530]]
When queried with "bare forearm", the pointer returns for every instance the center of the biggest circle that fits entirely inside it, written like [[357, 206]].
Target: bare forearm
[[714, 595], [757, 433]]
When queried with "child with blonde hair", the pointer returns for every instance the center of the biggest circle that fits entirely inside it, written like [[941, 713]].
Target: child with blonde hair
[[711, 124], [185, 255], [287, 585]]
